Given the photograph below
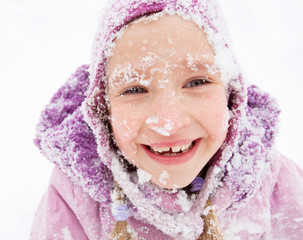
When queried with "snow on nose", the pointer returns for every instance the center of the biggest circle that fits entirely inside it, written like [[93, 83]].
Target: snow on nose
[[162, 126]]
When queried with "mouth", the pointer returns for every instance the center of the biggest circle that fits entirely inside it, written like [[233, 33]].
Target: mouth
[[172, 151], [176, 154]]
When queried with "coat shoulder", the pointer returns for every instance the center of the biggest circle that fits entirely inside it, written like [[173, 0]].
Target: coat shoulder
[[287, 200], [66, 210]]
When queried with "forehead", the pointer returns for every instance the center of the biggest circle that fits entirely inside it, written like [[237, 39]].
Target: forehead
[[164, 41]]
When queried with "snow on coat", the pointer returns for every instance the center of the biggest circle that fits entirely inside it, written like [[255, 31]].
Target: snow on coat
[[256, 192], [77, 208]]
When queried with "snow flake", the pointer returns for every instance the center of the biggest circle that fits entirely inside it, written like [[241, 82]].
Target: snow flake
[[143, 176], [66, 234], [164, 177]]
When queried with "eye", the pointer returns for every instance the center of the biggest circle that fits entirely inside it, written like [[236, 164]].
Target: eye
[[133, 90], [196, 83]]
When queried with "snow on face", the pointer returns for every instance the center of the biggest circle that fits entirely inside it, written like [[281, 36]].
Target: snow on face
[[164, 130], [143, 176], [164, 176], [165, 91]]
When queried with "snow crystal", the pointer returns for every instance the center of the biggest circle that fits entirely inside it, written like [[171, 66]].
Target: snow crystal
[[133, 147], [164, 130], [125, 124], [109, 51], [143, 176], [149, 60], [225, 120], [246, 225], [162, 83], [152, 119], [66, 234], [298, 220], [212, 69], [191, 63], [150, 18], [216, 170], [163, 177], [207, 210], [116, 199], [183, 201], [212, 223], [126, 74]]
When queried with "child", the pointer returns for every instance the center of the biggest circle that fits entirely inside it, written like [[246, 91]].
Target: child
[[159, 138]]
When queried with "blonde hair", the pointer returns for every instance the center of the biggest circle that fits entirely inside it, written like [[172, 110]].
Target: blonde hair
[[211, 231]]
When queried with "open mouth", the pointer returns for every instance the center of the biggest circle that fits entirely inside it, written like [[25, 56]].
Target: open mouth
[[171, 151], [177, 154]]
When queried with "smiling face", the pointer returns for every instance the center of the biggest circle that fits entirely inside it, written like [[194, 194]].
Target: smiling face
[[167, 101]]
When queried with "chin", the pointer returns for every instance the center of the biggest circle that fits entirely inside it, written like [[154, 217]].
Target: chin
[[169, 184]]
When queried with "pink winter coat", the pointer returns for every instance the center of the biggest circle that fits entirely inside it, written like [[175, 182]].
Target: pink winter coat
[[256, 192], [275, 212], [274, 209]]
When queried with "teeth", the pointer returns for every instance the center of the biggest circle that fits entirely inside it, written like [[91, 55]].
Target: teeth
[[163, 149], [185, 146], [174, 149]]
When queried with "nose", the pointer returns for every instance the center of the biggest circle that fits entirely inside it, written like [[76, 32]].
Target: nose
[[168, 116]]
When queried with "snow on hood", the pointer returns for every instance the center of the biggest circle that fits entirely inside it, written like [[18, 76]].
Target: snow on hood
[[66, 140], [73, 131]]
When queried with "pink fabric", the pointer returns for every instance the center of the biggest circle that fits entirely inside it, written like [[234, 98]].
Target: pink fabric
[[274, 212], [66, 212]]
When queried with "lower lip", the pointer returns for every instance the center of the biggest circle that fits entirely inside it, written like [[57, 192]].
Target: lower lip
[[173, 160]]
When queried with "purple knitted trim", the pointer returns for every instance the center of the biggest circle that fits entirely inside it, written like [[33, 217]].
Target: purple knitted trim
[[256, 137], [141, 10], [266, 106], [54, 113], [66, 140]]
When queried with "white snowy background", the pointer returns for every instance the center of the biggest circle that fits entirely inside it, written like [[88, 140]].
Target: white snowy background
[[42, 42]]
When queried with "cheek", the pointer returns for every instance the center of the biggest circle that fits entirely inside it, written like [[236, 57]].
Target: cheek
[[219, 124], [214, 115], [125, 128]]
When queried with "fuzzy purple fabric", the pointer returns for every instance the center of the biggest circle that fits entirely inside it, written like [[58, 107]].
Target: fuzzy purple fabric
[[65, 138]]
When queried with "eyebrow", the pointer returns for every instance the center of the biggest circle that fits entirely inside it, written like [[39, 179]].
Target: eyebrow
[[198, 64]]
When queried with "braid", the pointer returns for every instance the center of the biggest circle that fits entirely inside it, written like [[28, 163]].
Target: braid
[[211, 229], [122, 230]]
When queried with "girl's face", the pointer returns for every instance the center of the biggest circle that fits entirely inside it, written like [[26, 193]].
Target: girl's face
[[167, 101]]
